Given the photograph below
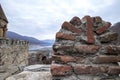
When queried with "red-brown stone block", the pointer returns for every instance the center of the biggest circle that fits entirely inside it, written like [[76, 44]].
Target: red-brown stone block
[[104, 28], [114, 70], [106, 59], [61, 35], [70, 27], [89, 69], [109, 36], [75, 21], [112, 49], [64, 59], [61, 70], [87, 48], [89, 26]]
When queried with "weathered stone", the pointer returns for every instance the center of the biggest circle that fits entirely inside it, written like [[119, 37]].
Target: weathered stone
[[3, 24], [14, 52], [87, 77], [39, 57], [114, 70], [98, 19], [87, 48], [110, 50], [65, 36], [91, 55], [8, 70], [106, 59], [107, 37], [75, 21], [13, 56], [101, 30], [64, 59], [89, 24], [60, 70], [70, 27], [89, 69], [27, 75], [57, 47]]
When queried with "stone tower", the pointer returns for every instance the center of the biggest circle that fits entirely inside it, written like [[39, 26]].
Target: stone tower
[[3, 24]]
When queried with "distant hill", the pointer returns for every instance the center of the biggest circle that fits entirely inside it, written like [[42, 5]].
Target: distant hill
[[32, 40]]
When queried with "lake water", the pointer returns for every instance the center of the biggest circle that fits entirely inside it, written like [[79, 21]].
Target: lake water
[[38, 47]]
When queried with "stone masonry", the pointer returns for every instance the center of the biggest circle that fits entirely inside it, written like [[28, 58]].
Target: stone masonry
[[13, 56], [85, 49], [3, 24]]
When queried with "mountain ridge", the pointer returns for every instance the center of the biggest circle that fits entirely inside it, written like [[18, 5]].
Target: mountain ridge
[[32, 40]]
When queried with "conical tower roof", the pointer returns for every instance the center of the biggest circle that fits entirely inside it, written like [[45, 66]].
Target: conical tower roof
[[2, 14]]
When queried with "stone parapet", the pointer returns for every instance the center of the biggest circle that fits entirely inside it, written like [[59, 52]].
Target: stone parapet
[[84, 49], [13, 42], [13, 56]]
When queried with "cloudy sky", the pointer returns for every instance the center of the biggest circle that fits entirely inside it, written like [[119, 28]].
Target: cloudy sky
[[43, 18]]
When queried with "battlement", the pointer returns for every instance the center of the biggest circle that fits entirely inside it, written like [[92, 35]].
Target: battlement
[[85, 49], [13, 52], [9, 42]]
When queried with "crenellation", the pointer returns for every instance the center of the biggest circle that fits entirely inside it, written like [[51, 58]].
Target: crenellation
[[13, 42]]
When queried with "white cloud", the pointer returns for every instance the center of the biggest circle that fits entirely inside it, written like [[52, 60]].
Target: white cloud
[[43, 18]]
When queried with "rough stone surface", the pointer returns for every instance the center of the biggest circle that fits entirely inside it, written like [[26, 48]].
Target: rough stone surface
[[70, 27], [106, 59], [92, 54], [89, 69], [110, 50], [109, 36], [64, 59], [90, 35], [14, 52], [37, 68], [40, 57], [86, 77], [61, 35], [75, 21], [114, 70], [60, 70], [87, 48], [8, 70], [104, 28], [27, 75], [13, 56]]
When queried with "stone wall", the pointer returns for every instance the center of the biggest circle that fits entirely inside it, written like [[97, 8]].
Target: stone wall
[[13, 56], [86, 50]]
